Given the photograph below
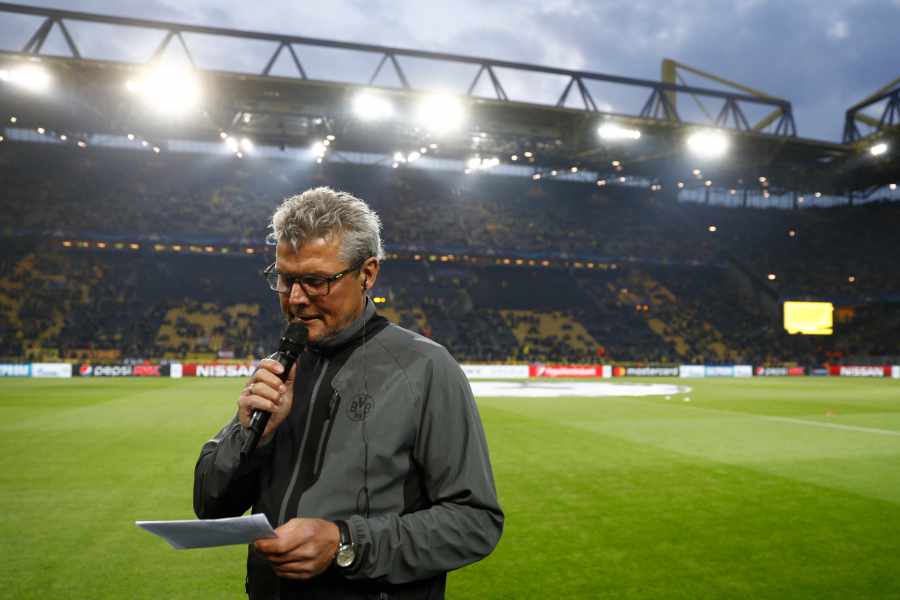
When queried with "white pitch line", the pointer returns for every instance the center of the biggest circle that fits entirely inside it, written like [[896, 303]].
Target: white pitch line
[[833, 425]]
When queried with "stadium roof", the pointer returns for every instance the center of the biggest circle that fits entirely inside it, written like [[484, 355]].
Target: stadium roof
[[281, 104]]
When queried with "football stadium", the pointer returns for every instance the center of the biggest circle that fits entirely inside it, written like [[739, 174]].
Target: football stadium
[[679, 318]]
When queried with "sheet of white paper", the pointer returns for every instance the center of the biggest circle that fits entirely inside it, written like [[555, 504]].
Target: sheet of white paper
[[206, 533]]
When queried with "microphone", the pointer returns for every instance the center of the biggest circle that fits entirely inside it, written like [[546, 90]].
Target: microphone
[[289, 348]]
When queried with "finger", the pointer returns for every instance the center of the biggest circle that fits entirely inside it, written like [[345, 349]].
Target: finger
[[267, 377], [270, 365], [251, 403], [296, 570], [264, 390], [299, 554]]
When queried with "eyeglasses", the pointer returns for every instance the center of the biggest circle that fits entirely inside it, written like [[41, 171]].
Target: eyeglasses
[[313, 285]]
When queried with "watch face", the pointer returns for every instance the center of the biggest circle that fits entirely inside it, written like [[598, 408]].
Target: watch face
[[345, 556]]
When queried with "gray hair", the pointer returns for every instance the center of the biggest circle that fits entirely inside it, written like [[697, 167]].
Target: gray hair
[[324, 213]]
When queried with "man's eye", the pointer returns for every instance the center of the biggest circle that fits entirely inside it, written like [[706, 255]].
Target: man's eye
[[313, 282]]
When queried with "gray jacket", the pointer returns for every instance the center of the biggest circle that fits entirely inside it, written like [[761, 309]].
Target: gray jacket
[[383, 433]]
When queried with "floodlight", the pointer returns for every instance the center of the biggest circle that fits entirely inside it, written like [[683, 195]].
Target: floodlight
[[440, 113], [482, 163], [413, 156], [612, 132], [708, 144], [246, 145], [371, 107], [319, 149], [878, 149], [167, 89], [232, 143], [32, 78]]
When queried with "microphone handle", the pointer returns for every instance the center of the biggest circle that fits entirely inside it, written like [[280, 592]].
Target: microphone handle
[[260, 418]]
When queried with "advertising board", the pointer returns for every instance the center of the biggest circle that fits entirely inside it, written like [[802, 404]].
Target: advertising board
[[476, 371], [13, 370], [63, 370], [570, 371], [692, 371], [89, 370], [214, 370]]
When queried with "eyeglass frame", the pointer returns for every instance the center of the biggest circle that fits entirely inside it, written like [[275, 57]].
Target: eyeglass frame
[[297, 280]]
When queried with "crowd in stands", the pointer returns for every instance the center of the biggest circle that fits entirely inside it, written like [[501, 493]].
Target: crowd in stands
[[670, 290]]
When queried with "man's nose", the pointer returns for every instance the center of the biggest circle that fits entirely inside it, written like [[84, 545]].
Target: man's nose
[[297, 295]]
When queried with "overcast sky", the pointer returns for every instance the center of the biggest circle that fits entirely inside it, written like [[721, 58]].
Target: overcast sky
[[822, 55]]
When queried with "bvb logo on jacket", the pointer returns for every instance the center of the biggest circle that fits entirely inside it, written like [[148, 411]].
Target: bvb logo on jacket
[[359, 409]]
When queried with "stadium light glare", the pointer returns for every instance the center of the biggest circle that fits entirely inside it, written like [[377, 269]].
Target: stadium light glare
[[232, 144], [712, 228], [574, 169], [32, 78], [612, 132], [527, 154], [145, 143], [63, 137], [167, 89], [319, 149], [223, 135], [708, 144], [82, 144], [13, 119], [41, 130], [601, 182], [131, 137], [771, 277], [680, 185], [514, 157], [440, 113], [553, 172], [413, 157], [878, 149], [893, 187], [536, 176], [851, 279], [372, 107], [246, 145]]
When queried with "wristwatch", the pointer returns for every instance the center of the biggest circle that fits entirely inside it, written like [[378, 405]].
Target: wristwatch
[[346, 554]]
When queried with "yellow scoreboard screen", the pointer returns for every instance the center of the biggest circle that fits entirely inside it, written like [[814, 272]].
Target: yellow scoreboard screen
[[809, 318]]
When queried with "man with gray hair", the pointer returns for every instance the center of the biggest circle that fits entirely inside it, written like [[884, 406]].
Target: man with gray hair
[[373, 466]]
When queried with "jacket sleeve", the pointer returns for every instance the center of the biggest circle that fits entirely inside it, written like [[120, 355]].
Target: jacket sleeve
[[464, 520], [223, 485]]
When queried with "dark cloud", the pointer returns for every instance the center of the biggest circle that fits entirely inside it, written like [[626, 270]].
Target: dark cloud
[[822, 56]]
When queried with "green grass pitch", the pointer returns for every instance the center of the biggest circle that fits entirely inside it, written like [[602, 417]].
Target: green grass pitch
[[757, 488]]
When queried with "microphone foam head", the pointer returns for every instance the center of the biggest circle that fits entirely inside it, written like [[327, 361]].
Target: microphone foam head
[[294, 338]]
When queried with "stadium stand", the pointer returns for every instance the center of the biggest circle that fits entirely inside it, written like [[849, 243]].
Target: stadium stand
[[630, 275]]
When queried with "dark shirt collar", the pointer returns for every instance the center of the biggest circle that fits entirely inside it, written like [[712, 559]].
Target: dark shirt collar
[[346, 334]]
